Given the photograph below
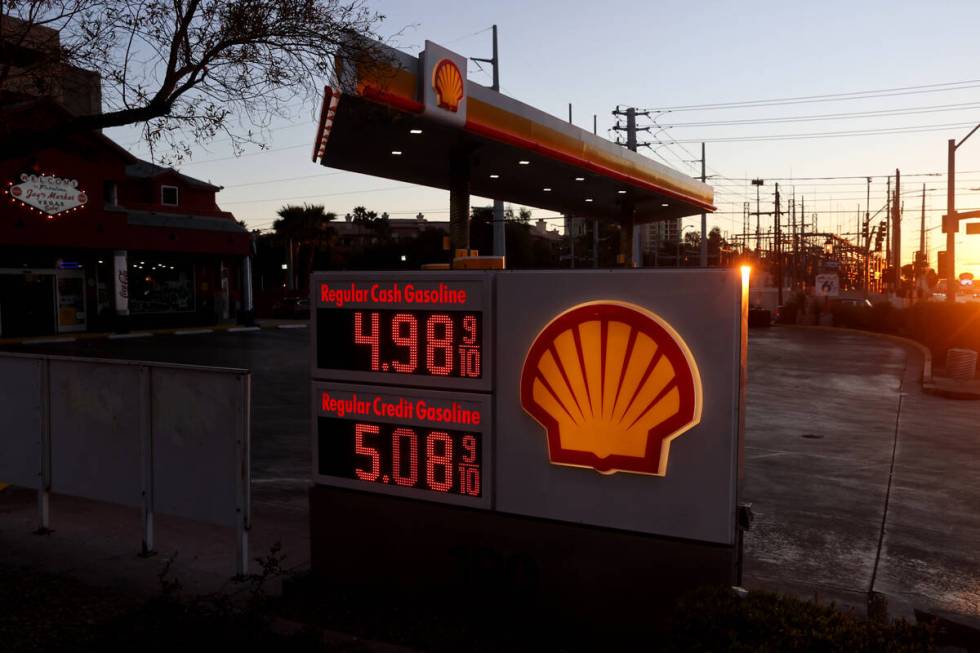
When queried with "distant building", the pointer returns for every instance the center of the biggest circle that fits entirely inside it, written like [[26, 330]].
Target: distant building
[[36, 70]]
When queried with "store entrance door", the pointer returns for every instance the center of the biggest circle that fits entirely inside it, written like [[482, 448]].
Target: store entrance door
[[27, 303], [71, 301]]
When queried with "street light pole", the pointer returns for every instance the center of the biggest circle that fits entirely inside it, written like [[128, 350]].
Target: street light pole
[[499, 225], [951, 222]]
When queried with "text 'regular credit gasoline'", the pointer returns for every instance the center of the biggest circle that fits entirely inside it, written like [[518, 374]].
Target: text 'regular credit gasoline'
[[412, 442]]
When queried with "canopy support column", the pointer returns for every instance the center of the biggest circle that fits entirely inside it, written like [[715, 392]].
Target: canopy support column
[[627, 257], [459, 202]]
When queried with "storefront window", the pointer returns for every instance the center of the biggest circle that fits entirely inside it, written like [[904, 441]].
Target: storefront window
[[157, 286]]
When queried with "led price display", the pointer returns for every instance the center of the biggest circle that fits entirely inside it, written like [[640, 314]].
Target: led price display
[[428, 343], [423, 458]]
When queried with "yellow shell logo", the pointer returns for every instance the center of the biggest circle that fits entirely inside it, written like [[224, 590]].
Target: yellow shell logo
[[448, 84], [612, 384]]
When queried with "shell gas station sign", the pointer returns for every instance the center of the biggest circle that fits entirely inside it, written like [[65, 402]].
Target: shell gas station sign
[[569, 397]]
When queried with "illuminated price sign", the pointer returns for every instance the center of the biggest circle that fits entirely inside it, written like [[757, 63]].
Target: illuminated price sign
[[422, 444], [411, 329]]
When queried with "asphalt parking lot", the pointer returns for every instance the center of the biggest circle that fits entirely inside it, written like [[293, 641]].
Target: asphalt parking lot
[[859, 481]]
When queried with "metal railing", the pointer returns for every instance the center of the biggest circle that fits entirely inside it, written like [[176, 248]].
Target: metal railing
[[169, 439]]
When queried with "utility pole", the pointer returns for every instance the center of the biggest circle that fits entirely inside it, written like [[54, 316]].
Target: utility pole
[[595, 221], [778, 246], [805, 273], [922, 260], [499, 226], [704, 219], [792, 233], [570, 220], [888, 240], [758, 243], [897, 230], [629, 241], [951, 221]]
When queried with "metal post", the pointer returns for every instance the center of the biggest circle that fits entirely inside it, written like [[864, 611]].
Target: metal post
[[145, 412], [44, 492], [595, 242], [570, 232], [243, 525], [248, 303], [704, 219], [459, 203]]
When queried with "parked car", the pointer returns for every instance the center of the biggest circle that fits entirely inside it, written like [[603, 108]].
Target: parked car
[[297, 308], [850, 301]]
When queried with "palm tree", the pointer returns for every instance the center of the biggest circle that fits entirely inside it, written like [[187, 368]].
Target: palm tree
[[305, 227]]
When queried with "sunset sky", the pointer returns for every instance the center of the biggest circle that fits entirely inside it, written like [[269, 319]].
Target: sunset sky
[[673, 54]]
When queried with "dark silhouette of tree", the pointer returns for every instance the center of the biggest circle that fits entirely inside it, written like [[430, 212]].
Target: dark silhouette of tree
[[307, 230], [378, 225], [186, 70]]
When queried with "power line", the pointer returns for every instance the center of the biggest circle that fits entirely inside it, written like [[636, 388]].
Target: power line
[[829, 116], [910, 129], [830, 97], [319, 195]]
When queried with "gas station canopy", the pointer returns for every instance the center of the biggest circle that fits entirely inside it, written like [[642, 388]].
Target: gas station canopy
[[419, 120]]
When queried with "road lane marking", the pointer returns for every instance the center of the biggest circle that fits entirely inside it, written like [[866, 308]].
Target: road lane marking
[[192, 332], [126, 336]]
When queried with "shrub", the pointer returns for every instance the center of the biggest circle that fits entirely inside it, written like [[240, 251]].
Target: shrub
[[714, 619]]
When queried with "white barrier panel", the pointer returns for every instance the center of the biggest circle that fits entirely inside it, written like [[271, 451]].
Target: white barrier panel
[[95, 431], [21, 421], [199, 455], [170, 439]]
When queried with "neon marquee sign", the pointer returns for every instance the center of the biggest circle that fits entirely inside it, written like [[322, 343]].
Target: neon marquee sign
[[47, 194]]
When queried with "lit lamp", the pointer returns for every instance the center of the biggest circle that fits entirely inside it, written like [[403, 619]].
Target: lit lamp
[[828, 246]]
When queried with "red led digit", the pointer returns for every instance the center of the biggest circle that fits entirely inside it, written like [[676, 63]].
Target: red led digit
[[362, 450], [397, 438], [444, 344], [373, 338], [442, 460], [410, 342], [473, 481], [469, 362], [469, 326], [469, 444]]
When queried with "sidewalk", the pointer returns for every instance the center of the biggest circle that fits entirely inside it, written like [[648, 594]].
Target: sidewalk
[[860, 481], [99, 543]]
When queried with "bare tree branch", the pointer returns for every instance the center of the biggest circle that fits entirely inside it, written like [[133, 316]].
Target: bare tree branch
[[186, 68]]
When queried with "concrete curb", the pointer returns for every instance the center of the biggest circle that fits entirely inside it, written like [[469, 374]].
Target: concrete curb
[[908, 342], [181, 331], [941, 387]]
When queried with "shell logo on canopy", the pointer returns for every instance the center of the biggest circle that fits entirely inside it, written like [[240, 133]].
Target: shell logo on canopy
[[612, 384], [448, 84]]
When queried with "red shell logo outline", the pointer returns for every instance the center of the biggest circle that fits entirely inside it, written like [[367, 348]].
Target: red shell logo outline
[[447, 81], [612, 384]]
